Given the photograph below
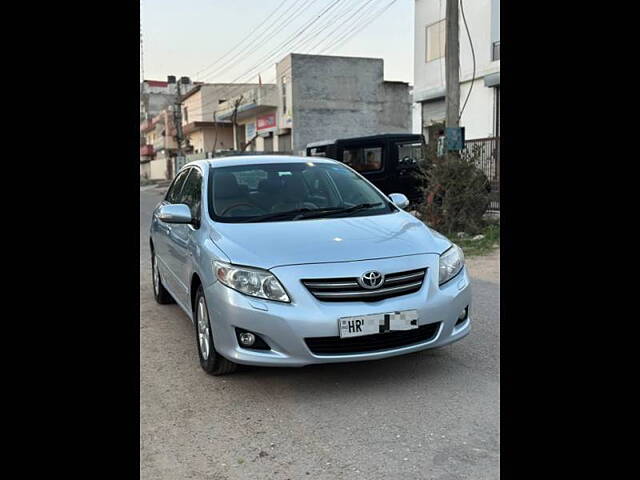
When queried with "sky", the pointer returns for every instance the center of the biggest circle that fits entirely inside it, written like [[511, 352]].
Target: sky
[[234, 40]]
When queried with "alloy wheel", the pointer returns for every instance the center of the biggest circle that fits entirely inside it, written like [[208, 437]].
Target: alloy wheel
[[156, 275], [203, 329]]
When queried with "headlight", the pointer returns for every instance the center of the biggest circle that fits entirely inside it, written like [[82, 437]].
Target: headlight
[[250, 281], [451, 262]]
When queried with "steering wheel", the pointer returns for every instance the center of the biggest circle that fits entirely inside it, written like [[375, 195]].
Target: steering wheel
[[241, 204]]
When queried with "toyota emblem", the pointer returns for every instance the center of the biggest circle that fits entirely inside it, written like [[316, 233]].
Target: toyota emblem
[[371, 280]]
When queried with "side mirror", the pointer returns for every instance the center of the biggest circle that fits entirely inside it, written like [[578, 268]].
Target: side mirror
[[400, 200], [178, 213]]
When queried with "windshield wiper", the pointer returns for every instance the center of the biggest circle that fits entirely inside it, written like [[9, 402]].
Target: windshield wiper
[[277, 215], [300, 213], [332, 211]]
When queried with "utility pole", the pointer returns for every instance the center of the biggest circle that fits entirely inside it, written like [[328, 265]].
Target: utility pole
[[452, 63], [177, 119]]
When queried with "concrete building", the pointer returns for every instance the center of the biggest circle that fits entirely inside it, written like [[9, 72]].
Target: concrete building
[[157, 99], [481, 116], [314, 98], [256, 117], [322, 97], [160, 146], [157, 95], [198, 106]]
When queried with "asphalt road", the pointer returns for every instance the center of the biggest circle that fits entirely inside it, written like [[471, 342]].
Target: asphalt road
[[430, 415]]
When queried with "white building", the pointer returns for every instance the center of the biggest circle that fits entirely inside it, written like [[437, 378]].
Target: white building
[[481, 116]]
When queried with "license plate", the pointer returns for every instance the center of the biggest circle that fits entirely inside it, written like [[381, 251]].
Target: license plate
[[377, 323]]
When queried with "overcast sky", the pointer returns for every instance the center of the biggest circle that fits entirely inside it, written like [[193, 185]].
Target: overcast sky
[[182, 37]]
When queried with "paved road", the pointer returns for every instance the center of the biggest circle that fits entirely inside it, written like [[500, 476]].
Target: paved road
[[430, 415]]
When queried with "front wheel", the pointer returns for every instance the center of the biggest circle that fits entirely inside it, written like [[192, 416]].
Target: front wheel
[[211, 361]]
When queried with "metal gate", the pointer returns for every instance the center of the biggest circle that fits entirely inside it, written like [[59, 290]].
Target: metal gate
[[486, 152]]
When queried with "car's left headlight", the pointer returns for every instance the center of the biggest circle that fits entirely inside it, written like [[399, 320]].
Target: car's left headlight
[[451, 262], [250, 281]]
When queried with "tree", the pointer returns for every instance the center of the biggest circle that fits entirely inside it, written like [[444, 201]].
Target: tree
[[246, 145], [234, 120], [215, 140]]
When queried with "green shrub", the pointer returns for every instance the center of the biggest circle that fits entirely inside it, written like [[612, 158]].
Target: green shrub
[[456, 192]]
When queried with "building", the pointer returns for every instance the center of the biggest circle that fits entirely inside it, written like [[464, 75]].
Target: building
[[255, 122], [322, 97], [315, 98], [160, 146], [157, 145], [157, 95], [202, 132], [481, 116]]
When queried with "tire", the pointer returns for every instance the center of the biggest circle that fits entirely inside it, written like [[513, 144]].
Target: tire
[[211, 361], [162, 296]]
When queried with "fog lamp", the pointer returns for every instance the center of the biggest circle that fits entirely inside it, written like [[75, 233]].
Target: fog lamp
[[247, 339]]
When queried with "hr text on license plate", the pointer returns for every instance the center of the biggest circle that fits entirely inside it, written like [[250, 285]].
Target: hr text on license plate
[[377, 323]]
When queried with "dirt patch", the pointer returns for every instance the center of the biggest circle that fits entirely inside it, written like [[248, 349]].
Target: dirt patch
[[485, 267]]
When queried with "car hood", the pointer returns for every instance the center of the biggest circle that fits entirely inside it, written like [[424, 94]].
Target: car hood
[[273, 244]]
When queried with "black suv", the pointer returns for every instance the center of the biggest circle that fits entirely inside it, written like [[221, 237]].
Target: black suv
[[388, 160]]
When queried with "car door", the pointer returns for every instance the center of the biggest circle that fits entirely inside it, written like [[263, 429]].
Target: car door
[[182, 243], [161, 231], [409, 156]]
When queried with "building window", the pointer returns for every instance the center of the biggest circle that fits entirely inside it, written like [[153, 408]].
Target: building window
[[284, 95], [186, 115], [495, 30], [435, 38]]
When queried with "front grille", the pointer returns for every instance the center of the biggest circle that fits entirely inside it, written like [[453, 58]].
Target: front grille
[[348, 289], [372, 343]]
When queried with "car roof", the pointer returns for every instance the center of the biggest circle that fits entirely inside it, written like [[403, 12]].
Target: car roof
[[257, 160], [381, 136]]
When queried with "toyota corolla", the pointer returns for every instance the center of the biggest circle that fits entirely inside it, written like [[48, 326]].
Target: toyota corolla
[[290, 261]]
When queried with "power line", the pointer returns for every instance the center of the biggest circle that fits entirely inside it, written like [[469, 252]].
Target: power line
[[267, 59], [254, 30], [312, 35], [258, 39], [346, 21], [242, 88], [361, 23], [350, 34]]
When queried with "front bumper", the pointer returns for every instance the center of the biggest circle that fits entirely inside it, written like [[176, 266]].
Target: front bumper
[[285, 326]]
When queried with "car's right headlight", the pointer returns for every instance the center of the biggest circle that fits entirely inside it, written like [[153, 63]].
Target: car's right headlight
[[451, 262], [250, 281]]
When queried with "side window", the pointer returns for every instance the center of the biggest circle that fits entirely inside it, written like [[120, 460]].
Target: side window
[[409, 155], [192, 193], [174, 190], [363, 159]]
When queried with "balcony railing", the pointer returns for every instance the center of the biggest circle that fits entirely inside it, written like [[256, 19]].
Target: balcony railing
[[254, 100]]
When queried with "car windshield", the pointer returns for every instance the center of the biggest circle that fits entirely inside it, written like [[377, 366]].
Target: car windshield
[[290, 191]]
